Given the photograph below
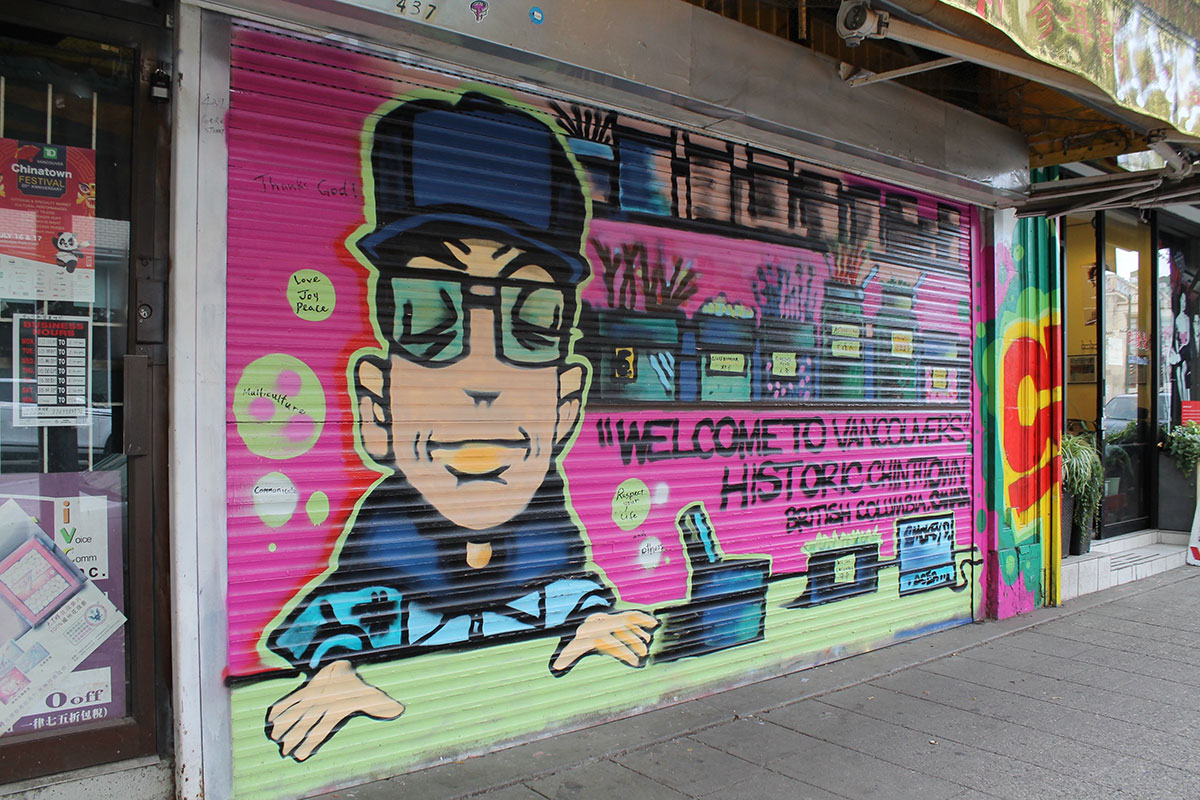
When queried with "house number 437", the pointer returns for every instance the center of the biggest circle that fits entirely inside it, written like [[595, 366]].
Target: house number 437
[[416, 8]]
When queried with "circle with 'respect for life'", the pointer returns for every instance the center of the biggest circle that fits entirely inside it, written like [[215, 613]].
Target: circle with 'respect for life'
[[279, 406], [630, 504]]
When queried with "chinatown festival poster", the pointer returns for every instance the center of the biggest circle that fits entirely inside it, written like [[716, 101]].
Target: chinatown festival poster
[[47, 222]]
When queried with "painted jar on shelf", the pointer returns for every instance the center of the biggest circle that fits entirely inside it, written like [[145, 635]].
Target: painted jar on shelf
[[639, 356], [788, 358], [725, 357], [846, 346], [897, 367]]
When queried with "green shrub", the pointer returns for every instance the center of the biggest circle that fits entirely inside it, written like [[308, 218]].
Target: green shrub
[[1083, 477], [1184, 443]]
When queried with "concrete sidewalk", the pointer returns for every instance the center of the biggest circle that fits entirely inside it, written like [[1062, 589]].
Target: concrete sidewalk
[[1096, 699]]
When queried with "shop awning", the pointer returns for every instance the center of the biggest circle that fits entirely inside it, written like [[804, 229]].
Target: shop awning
[[1142, 191], [1141, 53]]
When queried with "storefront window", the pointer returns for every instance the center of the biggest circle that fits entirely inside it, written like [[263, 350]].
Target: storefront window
[[66, 128], [1179, 326], [1080, 316]]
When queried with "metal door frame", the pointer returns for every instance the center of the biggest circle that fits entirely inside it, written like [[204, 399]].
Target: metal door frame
[[145, 730]]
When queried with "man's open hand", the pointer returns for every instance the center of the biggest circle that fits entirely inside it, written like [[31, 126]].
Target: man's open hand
[[302, 721], [624, 635]]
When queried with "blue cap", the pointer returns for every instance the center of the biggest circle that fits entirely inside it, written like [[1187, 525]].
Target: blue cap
[[480, 167]]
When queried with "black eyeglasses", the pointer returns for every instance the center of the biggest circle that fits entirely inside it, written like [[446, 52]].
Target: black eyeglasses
[[432, 323]]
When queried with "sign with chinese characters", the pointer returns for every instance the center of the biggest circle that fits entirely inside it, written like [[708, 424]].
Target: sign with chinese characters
[[47, 222], [52, 370], [80, 513], [51, 619], [1142, 53]]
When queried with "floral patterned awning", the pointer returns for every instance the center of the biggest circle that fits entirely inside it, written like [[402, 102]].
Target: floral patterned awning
[[1143, 53]]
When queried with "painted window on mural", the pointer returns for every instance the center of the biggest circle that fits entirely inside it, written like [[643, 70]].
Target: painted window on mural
[[543, 408]]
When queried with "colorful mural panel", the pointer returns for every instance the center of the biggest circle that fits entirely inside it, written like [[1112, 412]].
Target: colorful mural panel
[[1019, 356], [540, 414]]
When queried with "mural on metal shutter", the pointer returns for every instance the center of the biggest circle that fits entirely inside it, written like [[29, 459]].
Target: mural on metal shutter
[[540, 413], [1019, 358]]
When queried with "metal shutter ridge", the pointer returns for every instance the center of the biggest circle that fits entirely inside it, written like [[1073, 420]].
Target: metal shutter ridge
[[541, 413]]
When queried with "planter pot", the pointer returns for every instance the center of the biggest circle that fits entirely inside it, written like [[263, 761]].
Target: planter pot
[[1076, 540], [1066, 523], [1176, 495], [1081, 540]]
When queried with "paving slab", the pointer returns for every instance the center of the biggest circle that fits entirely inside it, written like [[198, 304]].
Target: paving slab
[[1168, 718], [1105, 659], [943, 723], [517, 792], [754, 739], [1149, 687], [1008, 706], [949, 751], [965, 667], [768, 784], [601, 780], [1050, 690], [1180, 653], [689, 766], [1144, 629], [857, 775], [1039, 642]]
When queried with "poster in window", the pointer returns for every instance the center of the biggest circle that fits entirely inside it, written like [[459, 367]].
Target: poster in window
[[52, 369], [59, 658], [47, 222], [1081, 369]]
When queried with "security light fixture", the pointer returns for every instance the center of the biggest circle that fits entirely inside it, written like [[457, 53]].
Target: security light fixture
[[856, 21]]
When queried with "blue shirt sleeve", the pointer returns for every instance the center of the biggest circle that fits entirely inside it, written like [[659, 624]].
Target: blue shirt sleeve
[[348, 624]]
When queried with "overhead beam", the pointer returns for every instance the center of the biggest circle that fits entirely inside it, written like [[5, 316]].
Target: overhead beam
[[1021, 66]]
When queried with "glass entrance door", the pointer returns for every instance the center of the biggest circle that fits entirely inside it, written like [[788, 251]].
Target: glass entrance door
[[80, 241], [1127, 411], [1110, 290]]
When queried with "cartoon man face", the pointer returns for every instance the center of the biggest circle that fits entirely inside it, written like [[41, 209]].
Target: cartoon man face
[[479, 218], [475, 398]]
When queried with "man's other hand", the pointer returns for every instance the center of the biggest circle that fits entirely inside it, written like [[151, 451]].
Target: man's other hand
[[624, 635], [301, 722]]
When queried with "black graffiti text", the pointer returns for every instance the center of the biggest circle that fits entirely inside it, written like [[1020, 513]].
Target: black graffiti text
[[270, 184], [653, 440], [871, 431], [662, 439], [943, 479]]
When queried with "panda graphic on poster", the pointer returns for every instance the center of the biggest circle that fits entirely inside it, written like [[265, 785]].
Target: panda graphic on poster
[[70, 250]]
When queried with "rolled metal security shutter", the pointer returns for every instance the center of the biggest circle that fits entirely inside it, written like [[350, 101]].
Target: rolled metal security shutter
[[505, 369]]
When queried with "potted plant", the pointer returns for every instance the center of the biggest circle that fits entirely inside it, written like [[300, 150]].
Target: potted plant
[[1183, 442], [1083, 487]]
